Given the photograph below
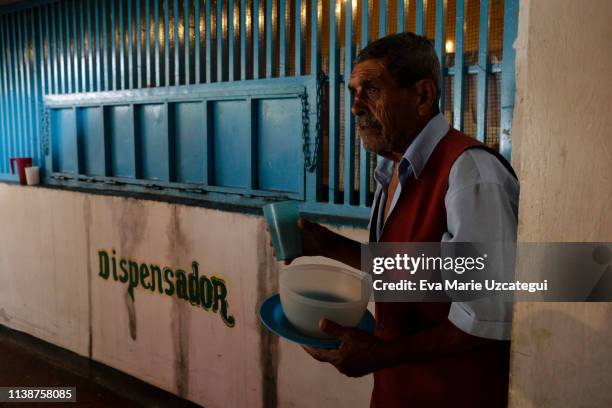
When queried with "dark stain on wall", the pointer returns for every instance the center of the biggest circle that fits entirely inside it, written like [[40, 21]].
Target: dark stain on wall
[[4, 316], [131, 217], [132, 221], [267, 285], [130, 304], [177, 245], [87, 219]]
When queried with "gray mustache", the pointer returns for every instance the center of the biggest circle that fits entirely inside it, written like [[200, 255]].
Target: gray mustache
[[367, 121]]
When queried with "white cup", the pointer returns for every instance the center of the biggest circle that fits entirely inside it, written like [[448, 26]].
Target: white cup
[[32, 175]]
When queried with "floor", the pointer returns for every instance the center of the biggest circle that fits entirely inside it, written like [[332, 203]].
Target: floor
[[29, 362]]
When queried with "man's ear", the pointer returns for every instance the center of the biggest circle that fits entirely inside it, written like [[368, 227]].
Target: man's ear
[[426, 96]]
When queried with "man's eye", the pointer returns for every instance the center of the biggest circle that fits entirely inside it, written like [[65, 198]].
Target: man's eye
[[372, 92]]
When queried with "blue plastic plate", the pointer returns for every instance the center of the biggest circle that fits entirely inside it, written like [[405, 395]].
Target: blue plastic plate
[[272, 316]]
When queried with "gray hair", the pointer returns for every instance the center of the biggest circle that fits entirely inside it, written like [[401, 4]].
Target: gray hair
[[407, 56]]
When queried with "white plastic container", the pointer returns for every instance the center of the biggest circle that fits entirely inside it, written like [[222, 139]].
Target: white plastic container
[[32, 175], [309, 293]]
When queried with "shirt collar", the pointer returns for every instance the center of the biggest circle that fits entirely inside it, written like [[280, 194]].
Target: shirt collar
[[418, 152]]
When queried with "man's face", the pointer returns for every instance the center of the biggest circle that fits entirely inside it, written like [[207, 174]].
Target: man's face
[[386, 115]]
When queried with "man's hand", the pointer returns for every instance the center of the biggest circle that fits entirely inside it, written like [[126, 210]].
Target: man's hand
[[316, 239], [357, 355], [320, 241]]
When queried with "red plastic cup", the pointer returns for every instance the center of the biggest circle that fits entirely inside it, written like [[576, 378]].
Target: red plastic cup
[[22, 163]]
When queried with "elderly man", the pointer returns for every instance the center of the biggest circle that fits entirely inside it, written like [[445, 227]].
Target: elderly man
[[435, 184]]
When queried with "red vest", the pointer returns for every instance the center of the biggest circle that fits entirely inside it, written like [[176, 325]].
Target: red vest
[[473, 379]]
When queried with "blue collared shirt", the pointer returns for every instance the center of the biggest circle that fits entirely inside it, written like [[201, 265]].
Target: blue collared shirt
[[481, 206]]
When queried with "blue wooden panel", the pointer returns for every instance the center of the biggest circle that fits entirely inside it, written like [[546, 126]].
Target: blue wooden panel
[[147, 13], [197, 44], [208, 130], [207, 33], [90, 47], [98, 60], [269, 48], [280, 159], [189, 129], [167, 42], [90, 130], [315, 46], [481, 92], [113, 46], [45, 11], [154, 153], [75, 47], [53, 58], [382, 18], [298, 37], [18, 115], [36, 86], [120, 125], [138, 47], [230, 40], [156, 37], [282, 36], [31, 131], [231, 143], [349, 119], [334, 103], [364, 155], [122, 72], [64, 134], [439, 46], [507, 80], [253, 160], [4, 111], [256, 30], [68, 40], [401, 16], [243, 42], [12, 102], [130, 40], [105, 69], [219, 22], [314, 179], [420, 18], [186, 40], [459, 67]]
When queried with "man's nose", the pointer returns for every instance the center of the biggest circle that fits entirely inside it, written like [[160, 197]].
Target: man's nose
[[358, 108]]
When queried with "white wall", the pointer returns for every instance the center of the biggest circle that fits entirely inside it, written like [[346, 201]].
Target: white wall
[[561, 352], [50, 288]]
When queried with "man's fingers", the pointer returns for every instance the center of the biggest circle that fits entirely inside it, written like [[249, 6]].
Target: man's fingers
[[332, 328], [323, 355], [304, 224]]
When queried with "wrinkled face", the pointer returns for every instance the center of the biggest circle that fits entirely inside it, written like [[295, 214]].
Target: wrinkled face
[[386, 114]]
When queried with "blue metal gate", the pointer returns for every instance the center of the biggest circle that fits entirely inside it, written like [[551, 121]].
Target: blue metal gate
[[235, 101]]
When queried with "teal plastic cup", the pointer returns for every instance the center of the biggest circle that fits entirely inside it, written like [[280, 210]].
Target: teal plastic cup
[[282, 222]]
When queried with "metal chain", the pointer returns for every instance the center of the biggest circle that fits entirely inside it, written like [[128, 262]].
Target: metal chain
[[310, 161], [44, 114]]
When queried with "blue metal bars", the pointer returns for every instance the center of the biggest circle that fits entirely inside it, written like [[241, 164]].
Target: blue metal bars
[[507, 81]]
